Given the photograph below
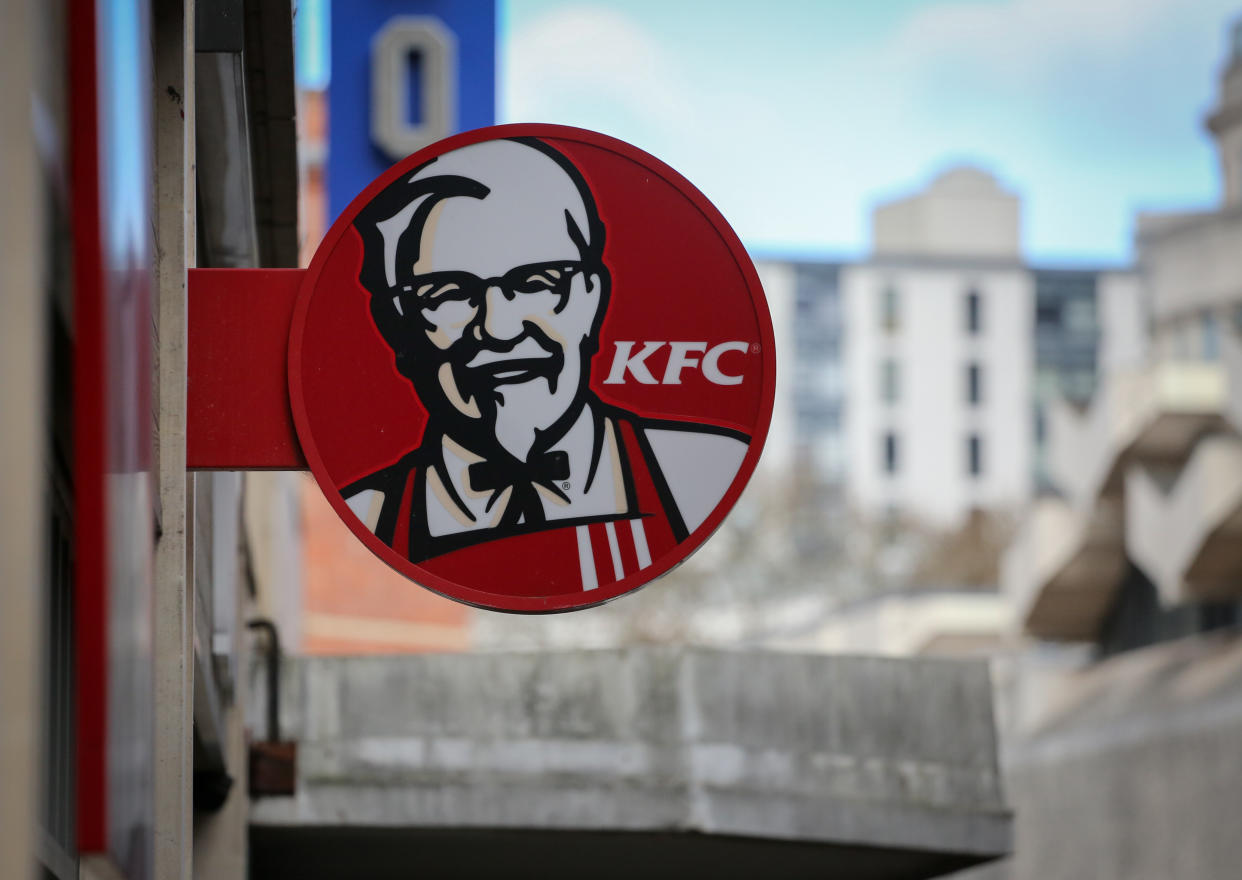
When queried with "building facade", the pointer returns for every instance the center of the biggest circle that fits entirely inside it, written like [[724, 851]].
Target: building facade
[[819, 389], [160, 139], [926, 382], [938, 363]]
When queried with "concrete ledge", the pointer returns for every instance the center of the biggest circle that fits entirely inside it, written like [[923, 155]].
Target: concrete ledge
[[1133, 770], [1156, 413], [1186, 539], [891, 755], [1063, 567]]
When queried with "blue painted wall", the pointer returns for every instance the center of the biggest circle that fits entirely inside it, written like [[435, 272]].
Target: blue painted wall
[[353, 161]]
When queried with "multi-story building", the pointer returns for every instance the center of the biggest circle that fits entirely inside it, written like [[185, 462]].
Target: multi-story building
[[939, 356], [922, 376], [818, 387], [1088, 322], [920, 382], [1067, 333]]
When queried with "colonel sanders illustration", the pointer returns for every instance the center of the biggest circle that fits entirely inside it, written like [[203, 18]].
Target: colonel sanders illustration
[[487, 279]]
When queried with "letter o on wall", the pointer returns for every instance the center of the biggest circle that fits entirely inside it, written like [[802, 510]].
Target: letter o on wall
[[403, 36]]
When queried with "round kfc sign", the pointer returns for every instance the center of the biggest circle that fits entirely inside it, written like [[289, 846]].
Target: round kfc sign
[[532, 368]]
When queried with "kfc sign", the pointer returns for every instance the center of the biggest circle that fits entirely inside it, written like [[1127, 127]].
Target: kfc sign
[[531, 367]]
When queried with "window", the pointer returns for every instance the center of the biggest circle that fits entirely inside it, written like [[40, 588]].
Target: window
[[890, 453], [1210, 337], [1048, 314], [974, 384], [890, 309], [890, 381], [974, 455], [1078, 385], [831, 455], [832, 379], [974, 311], [1079, 314]]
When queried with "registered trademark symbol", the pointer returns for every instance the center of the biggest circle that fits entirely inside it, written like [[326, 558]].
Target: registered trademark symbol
[[754, 348], [565, 486]]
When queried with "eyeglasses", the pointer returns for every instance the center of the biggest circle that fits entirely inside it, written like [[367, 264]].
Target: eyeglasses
[[435, 287]]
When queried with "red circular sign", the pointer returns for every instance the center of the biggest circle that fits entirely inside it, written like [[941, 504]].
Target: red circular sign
[[532, 368]]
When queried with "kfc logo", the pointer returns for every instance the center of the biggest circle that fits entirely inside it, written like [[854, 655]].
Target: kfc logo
[[679, 358], [481, 297]]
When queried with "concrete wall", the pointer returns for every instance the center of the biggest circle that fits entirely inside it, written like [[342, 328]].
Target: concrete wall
[[1195, 266], [1133, 774], [851, 752]]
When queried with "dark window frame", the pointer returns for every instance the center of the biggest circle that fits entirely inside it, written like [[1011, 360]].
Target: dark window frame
[[974, 311], [974, 455], [891, 453], [890, 381], [890, 308], [974, 383]]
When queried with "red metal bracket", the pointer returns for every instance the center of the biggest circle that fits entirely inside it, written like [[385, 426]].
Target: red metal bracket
[[237, 400]]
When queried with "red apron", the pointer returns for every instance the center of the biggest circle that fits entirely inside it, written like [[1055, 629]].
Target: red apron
[[562, 558]]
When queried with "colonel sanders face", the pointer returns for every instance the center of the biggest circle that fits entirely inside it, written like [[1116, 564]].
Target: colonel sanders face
[[492, 290]]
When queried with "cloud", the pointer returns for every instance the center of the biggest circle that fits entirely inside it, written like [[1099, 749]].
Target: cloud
[[1091, 107], [590, 56], [1021, 40], [1057, 50], [1088, 107]]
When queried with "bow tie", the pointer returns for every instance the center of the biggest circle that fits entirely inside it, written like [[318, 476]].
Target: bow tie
[[491, 476]]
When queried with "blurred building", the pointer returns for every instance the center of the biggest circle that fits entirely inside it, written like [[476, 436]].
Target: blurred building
[[939, 356], [921, 377], [160, 138], [920, 384], [1087, 323], [1122, 750], [809, 426], [955, 346], [313, 157]]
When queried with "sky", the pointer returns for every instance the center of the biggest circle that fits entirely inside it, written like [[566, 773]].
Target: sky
[[795, 117]]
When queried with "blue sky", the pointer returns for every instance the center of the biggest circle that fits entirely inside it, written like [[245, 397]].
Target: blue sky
[[795, 116]]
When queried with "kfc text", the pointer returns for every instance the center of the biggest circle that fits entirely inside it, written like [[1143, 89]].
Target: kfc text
[[681, 356]]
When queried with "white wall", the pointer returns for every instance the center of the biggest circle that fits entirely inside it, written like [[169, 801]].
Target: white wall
[[932, 417], [1123, 315], [779, 286], [1193, 267], [963, 212]]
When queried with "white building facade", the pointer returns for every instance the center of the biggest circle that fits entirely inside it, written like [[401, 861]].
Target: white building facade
[[939, 357]]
